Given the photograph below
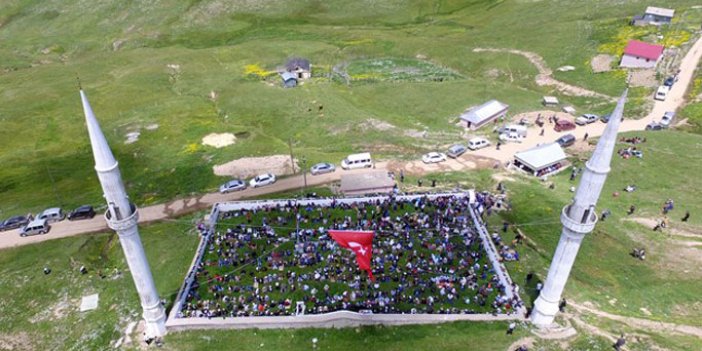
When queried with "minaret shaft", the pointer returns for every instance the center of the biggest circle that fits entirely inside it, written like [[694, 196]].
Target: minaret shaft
[[578, 220], [122, 216]]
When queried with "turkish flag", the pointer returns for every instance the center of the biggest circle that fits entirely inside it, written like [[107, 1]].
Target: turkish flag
[[361, 243]]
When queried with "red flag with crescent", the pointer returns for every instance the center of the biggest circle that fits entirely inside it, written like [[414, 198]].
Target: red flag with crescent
[[360, 242]]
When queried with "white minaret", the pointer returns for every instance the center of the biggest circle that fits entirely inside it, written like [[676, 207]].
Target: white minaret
[[122, 217], [578, 219]]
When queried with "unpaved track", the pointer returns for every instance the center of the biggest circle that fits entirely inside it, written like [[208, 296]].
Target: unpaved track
[[182, 206], [545, 74], [641, 323]]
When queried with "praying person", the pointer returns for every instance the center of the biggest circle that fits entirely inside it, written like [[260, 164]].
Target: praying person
[[619, 343]]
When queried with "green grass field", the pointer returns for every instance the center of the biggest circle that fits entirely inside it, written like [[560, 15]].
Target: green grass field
[[145, 63], [48, 317], [156, 63]]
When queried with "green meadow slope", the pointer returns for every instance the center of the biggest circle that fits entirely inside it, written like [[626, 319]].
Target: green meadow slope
[[197, 67]]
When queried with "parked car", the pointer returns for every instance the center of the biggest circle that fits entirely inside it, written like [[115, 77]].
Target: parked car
[[82, 212], [566, 140], [456, 150], [322, 168], [511, 137], [654, 126], [362, 160], [15, 222], [434, 157], [54, 214], [37, 226], [667, 119], [232, 185], [586, 119], [478, 143], [563, 125], [670, 81], [605, 118], [513, 128], [262, 180], [662, 92]]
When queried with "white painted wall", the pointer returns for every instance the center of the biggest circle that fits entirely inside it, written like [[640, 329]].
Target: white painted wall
[[629, 61]]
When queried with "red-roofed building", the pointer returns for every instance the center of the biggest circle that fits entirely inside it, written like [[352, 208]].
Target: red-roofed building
[[638, 54]]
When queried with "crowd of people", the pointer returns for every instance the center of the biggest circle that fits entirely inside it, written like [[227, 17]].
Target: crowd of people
[[277, 261]]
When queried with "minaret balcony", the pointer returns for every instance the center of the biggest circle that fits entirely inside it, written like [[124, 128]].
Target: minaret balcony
[[578, 226], [122, 224]]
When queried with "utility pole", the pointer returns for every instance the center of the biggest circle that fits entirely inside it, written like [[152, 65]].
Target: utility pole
[[304, 174], [53, 185], [292, 158]]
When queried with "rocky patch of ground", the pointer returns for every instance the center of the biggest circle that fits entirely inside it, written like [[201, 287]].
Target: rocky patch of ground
[[251, 166]]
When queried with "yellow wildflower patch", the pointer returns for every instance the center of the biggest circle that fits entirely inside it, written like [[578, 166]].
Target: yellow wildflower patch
[[191, 148], [675, 38], [256, 71], [616, 47], [366, 76]]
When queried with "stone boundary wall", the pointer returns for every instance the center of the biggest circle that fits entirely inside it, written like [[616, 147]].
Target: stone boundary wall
[[190, 277], [337, 319], [493, 254]]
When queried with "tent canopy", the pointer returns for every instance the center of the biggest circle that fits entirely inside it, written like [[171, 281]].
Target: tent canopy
[[541, 156]]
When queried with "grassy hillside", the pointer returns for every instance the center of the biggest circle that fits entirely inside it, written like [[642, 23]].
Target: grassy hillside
[[157, 63], [41, 310]]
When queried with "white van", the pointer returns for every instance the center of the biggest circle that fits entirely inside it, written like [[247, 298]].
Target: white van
[[514, 128], [357, 161], [478, 143], [662, 92]]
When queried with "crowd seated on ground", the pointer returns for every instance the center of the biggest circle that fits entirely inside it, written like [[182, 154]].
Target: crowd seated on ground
[[632, 140], [427, 258], [630, 152]]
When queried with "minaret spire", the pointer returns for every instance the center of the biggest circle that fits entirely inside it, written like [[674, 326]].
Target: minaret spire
[[122, 216], [578, 219]]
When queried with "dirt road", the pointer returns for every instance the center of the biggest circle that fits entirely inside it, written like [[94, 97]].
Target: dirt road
[[175, 208]]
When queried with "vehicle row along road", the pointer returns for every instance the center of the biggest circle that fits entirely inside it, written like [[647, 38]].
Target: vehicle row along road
[[674, 100]]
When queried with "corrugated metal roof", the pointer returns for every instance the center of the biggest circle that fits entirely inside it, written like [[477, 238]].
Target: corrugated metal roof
[[645, 50], [484, 112], [541, 156], [659, 11], [287, 76]]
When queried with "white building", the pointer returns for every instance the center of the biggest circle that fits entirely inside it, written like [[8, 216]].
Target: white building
[[541, 160], [654, 15], [638, 54], [483, 114]]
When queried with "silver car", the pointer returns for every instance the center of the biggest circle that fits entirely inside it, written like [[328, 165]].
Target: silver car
[[262, 180], [667, 119], [322, 168], [37, 226], [456, 150], [53, 214], [232, 185]]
